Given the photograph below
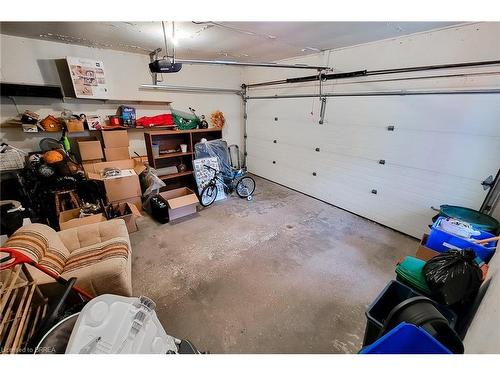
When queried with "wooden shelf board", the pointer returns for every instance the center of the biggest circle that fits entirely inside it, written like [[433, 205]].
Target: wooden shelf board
[[68, 99], [164, 132], [175, 175], [173, 155]]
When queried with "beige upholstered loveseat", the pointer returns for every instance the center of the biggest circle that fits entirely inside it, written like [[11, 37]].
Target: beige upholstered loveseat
[[99, 255]]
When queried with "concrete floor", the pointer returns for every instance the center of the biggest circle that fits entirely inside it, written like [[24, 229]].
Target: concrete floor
[[284, 273]]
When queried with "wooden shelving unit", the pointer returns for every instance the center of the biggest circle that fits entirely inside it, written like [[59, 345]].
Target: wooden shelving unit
[[175, 175], [171, 140], [172, 155]]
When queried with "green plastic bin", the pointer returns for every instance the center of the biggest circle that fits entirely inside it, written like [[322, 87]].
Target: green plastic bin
[[410, 272], [475, 218]]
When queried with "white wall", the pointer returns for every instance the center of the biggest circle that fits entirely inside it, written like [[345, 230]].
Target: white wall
[[483, 335], [443, 146], [33, 61]]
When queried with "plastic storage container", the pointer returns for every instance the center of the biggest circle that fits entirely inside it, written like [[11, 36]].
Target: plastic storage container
[[406, 339], [410, 272], [442, 241], [393, 294], [477, 219]]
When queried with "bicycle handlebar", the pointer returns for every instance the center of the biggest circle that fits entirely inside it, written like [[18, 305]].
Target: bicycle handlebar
[[212, 168]]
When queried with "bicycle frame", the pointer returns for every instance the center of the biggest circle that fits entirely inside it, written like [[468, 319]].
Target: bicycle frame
[[219, 176]]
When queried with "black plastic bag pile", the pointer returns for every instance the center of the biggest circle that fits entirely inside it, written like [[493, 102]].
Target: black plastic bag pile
[[453, 277]]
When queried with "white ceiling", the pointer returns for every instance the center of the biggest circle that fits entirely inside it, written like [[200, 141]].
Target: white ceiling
[[237, 41]]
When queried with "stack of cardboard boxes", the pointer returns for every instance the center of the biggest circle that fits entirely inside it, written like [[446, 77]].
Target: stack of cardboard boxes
[[116, 145], [125, 189]]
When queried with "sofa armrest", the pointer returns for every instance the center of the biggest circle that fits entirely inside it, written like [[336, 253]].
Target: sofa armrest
[[42, 244]]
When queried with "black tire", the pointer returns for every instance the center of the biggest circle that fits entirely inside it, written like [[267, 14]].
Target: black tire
[[208, 195], [245, 187]]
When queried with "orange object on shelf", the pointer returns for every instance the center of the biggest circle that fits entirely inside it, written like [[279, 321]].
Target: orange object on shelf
[[217, 119]]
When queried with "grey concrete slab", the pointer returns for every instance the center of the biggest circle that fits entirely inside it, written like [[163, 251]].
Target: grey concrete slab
[[284, 273]]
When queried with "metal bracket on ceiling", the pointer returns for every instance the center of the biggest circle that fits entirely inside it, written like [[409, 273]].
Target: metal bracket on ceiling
[[153, 55]]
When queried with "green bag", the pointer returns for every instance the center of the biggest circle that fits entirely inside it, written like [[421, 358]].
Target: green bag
[[184, 120], [410, 272]]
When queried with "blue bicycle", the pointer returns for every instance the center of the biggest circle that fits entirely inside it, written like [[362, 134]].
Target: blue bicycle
[[237, 180]]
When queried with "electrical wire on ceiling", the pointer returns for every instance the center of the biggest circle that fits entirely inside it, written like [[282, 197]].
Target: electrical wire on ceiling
[[259, 35]]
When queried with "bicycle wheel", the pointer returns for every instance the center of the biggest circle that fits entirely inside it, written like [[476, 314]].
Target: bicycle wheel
[[208, 195], [245, 187]]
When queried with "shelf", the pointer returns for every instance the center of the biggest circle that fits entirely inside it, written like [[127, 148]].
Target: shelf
[[169, 132], [175, 175], [67, 99], [35, 91], [14, 90], [173, 155]]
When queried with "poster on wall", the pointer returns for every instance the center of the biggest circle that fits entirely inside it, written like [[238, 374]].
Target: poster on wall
[[88, 78]]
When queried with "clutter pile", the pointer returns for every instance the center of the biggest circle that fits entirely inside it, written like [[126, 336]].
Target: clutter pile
[[430, 305], [124, 118]]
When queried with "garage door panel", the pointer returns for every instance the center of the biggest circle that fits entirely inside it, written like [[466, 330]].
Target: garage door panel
[[415, 188], [467, 114], [428, 161], [406, 148], [368, 175], [379, 208], [470, 114]]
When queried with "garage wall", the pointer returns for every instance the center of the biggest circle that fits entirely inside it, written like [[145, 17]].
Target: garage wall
[[33, 61], [442, 147]]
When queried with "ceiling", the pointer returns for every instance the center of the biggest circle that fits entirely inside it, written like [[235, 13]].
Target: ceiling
[[236, 41]]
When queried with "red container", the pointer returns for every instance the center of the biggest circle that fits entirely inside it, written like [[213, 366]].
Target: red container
[[165, 119], [114, 120]]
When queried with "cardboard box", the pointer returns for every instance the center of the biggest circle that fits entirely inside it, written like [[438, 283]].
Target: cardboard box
[[118, 188], [181, 202], [71, 219], [116, 153], [142, 159], [90, 150], [424, 252], [136, 201], [129, 214], [74, 125], [115, 138]]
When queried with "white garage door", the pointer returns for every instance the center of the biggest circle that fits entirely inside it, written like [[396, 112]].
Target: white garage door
[[441, 148]]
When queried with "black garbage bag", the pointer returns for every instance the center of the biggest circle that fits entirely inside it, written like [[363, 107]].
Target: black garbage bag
[[453, 277]]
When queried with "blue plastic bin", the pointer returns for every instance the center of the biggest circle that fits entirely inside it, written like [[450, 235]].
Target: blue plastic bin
[[393, 294], [442, 241], [406, 339]]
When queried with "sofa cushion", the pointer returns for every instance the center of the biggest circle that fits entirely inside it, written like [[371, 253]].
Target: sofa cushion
[[89, 255], [88, 235]]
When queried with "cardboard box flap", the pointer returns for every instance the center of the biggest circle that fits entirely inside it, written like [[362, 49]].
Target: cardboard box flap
[[71, 219], [94, 170], [134, 210], [186, 200], [115, 138], [90, 150], [116, 153]]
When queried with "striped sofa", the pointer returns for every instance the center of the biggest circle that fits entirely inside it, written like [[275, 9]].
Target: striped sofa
[[99, 255]]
